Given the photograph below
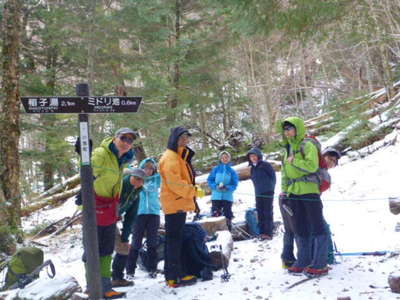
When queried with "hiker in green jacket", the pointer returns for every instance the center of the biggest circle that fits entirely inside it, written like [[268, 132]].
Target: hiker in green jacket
[[302, 199], [128, 207], [108, 162]]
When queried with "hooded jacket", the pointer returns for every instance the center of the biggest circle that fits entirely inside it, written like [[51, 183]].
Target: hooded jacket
[[107, 170], [301, 165], [262, 174], [149, 203], [177, 176], [222, 173]]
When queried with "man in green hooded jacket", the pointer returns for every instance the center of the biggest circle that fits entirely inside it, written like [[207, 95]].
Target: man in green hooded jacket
[[302, 199], [108, 162]]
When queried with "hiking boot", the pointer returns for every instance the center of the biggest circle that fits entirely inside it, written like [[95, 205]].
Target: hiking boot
[[312, 272], [172, 283], [186, 280], [264, 237], [121, 283], [294, 269], [111, 294], [287, 264]]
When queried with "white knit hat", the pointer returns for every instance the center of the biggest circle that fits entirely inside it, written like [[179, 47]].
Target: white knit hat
[[224, 152]]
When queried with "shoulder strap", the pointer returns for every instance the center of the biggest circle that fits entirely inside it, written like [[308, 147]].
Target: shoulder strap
[[311, 139]]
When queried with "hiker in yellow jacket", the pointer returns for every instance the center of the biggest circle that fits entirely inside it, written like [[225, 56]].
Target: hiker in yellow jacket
[[177, 198]]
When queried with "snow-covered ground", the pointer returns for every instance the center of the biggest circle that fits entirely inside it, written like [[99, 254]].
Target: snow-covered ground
[[356, 207]]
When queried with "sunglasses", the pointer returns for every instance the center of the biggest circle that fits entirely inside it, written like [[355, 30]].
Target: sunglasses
[[127, 139], [287, 128]]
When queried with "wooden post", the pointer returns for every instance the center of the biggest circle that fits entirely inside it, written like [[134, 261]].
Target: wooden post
[[89, 225]]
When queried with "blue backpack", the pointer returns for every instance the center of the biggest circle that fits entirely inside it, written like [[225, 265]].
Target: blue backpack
[[252, 221]]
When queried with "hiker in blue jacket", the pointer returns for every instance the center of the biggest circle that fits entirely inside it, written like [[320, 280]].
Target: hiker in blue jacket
[[147, 220], [222, 181], [264, 180]]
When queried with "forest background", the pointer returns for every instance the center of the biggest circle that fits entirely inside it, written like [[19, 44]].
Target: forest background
[[227, 70]]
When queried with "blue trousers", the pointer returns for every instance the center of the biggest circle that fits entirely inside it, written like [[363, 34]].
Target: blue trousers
[[310, 230]]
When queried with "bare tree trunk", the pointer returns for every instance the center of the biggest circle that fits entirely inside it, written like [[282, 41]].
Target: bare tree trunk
[[91, 45], [49, 120], [175, 76], [10, 129]]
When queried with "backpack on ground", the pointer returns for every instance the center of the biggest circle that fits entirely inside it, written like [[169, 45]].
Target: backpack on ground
[[252, 222], [196, 258], [143, 259], [22, 264], [321, 176]]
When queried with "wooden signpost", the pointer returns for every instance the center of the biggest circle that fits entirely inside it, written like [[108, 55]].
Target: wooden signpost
[[84, 104]]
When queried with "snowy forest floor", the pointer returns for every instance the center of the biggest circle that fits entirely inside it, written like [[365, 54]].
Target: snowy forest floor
[[356, 207]]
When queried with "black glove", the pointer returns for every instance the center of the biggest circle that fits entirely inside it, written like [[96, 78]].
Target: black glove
[[78, 146], [78, 198]]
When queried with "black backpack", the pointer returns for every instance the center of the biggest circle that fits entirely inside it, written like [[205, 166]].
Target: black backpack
[[196, 259], [143, 259]]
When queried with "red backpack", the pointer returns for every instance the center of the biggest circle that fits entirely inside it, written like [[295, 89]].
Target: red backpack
[[321, 176]]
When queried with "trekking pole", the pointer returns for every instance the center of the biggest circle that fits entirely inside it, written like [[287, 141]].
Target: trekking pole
[[373, 253], [225, 276], [242, 231], [336, 252]]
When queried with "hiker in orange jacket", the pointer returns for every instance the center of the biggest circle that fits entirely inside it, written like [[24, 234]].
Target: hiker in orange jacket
[[177, 197]]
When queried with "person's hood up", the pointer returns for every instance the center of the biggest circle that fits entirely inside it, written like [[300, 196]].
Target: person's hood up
[[146, 160], [174, 136], [255, 151], [226, 153], [300, 129]]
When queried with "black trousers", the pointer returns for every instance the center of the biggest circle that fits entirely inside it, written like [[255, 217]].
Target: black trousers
[[174, 224], [265, 212], [106, 240], [307, 217], [222, 208], [148, 224]]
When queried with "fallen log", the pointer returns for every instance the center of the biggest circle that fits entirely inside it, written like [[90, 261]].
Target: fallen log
[[74, 219], [213, 224], [52, 200], [57, 227], [388, 140], [378, 119], [68, 184], [50, 228], [220, 250]]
